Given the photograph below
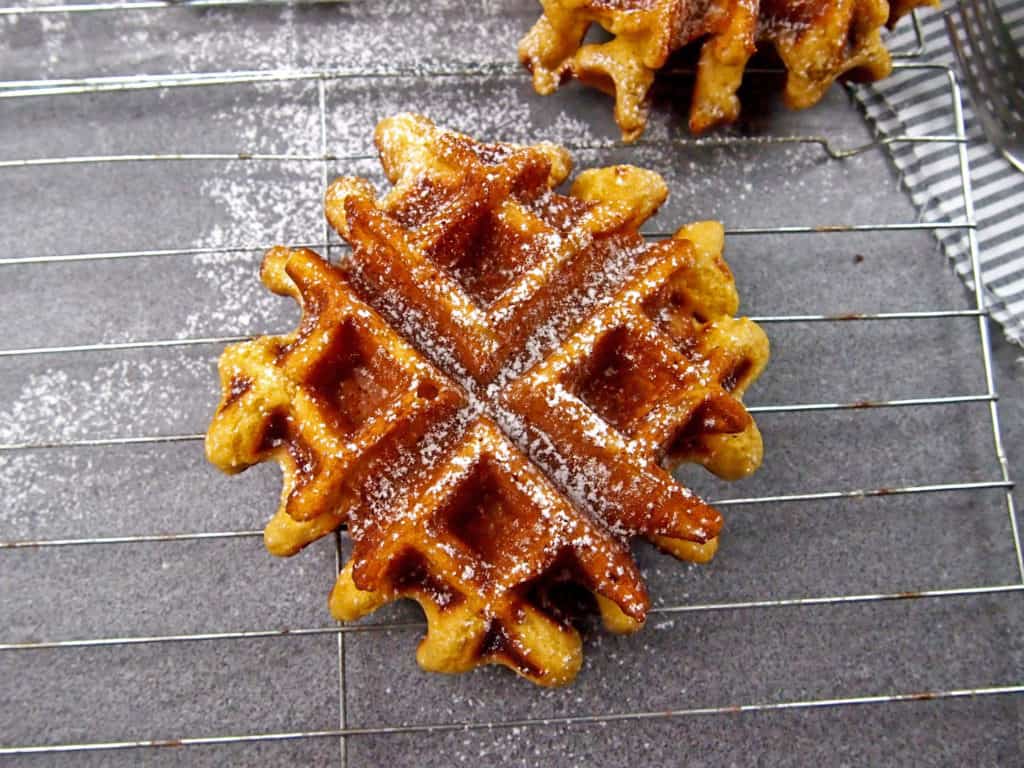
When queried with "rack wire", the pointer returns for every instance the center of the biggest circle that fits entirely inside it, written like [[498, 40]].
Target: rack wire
[[69, 87]]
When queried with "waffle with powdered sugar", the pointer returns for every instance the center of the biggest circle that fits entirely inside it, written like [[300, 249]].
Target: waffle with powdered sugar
[[490, 393], [818, 42]]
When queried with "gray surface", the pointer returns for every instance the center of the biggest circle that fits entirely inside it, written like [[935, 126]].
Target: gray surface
[[725, 657]]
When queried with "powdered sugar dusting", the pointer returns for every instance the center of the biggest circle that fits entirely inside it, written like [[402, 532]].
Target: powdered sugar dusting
[[253, 211], [67, 404]]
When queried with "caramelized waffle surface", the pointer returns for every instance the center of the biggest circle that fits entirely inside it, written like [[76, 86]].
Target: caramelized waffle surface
[[817, 42], [490, 394]]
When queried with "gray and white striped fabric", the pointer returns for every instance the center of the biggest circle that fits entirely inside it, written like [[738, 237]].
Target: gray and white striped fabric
[[913, 102]]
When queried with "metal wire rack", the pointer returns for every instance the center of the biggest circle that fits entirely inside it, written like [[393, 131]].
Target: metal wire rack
[[69, 87]]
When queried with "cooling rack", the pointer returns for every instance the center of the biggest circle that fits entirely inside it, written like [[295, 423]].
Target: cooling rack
[[998, 474]]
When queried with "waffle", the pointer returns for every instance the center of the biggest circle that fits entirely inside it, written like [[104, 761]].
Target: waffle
[[490, 393], [817, 43]]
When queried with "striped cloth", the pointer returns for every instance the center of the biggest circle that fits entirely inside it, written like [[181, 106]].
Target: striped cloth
[[918, 103]]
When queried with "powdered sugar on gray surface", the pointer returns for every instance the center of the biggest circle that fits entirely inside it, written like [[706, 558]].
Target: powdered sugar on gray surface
[[136, 395], [253, 213], [353, 35]]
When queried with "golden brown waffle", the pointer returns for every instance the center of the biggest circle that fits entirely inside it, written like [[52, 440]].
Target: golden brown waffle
[[490, 394], [818, 42]]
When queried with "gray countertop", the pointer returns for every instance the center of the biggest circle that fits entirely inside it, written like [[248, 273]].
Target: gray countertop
[[730, 654]]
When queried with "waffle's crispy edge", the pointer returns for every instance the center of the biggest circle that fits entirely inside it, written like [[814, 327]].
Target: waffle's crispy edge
[[817, 43]]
